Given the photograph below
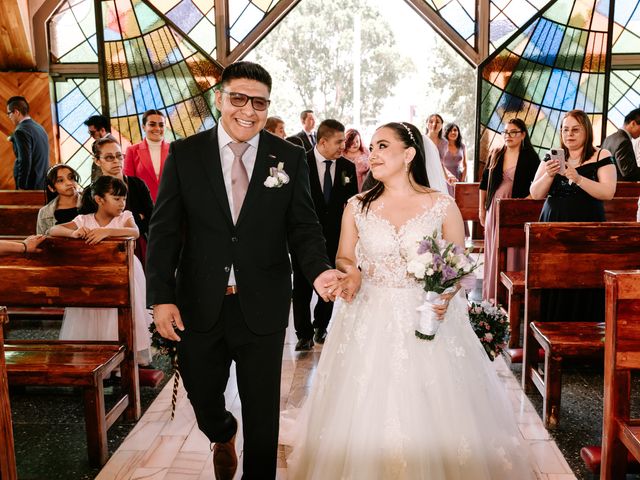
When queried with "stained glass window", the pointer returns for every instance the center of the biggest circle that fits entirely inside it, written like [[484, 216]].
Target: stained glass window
[[459, 14], [626, 29], [196, 18], [244, 15], [507, 16], [76, 100], [555, 65], [148, 64], [624, 96], [72, 33]]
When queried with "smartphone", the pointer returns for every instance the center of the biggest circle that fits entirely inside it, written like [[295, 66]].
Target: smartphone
[[558, 154]]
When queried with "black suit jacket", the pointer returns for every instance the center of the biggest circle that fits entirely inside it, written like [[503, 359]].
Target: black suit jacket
[[345, 186], [31, 147], [192, 231], [620, 146], [301, 139]]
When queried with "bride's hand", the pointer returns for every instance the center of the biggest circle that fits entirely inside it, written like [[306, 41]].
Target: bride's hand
[[350, 284], [441, 309]]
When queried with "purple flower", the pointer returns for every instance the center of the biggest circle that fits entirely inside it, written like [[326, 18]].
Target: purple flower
[[424, 247], [468, 281], [448, 273], [437, 261]]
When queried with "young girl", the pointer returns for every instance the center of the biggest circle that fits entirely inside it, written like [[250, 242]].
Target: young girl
[[63, 197], [109, 220]]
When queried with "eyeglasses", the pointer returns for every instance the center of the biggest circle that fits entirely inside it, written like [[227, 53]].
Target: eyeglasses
[[259, 104], [111, 158], [572, 131], [511, 133]]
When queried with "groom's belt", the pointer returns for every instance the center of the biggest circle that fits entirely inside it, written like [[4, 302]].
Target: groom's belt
[[231, 290]]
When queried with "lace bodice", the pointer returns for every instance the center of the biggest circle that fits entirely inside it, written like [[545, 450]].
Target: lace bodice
[[382, 249]]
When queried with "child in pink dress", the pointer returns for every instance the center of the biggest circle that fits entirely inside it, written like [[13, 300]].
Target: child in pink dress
[[109, 220]]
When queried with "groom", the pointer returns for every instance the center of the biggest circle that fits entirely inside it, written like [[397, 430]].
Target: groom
[[218, 271]]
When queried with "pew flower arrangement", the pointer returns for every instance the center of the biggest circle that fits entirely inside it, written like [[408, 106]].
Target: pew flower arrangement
[[491, 325], [440, 267]]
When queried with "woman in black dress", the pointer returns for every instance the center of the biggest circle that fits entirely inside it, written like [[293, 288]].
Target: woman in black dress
[[575, 196]]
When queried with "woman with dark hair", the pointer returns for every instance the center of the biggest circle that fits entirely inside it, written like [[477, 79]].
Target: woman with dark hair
[[145, 159], [384, 403], [576, 195], [509, 174], [355, 151], [454, 153], [63, 198]]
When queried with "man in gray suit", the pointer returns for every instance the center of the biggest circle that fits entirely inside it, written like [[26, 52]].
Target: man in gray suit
[[30, 145], [620, 146]]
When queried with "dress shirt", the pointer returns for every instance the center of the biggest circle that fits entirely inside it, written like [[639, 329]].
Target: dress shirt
[[226, 158], [321, 168]]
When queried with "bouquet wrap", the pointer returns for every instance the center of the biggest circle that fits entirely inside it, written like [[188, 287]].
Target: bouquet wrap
[[427, 322]]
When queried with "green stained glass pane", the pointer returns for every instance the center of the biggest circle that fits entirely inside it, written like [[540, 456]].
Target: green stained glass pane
[[72, 30], [146, 18]]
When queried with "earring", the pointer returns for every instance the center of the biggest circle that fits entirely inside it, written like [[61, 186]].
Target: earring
[[406, 167]]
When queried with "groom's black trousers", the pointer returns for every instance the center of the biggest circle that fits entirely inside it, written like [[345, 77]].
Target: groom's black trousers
[[205, 358]]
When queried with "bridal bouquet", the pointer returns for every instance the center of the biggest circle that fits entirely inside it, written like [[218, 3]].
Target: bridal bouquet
[[491, 326], [441, 267]]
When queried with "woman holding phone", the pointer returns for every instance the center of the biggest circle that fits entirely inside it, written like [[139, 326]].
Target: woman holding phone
[[576, 195]]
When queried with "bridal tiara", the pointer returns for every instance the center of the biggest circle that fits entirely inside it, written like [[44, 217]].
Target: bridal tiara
[[413, 139]]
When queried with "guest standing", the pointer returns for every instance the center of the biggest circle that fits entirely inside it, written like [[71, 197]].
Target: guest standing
[[306, 137], [30, 145], [275, 125], [576, 196], [454, 154], [434, 131], [355, 151], [508, 175], [145, 160], [621, 147], [98, 126]]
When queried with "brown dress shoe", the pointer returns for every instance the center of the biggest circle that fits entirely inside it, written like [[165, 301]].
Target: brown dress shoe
[[225, 460]]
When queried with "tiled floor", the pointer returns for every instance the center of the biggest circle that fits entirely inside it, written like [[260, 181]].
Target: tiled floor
[[158, 448]]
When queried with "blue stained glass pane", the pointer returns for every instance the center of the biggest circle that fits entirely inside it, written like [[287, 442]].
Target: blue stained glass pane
[[185, 15], [75, 120], [454, 14], [146, 93], [67, 104], [545, 42], [247, 21]]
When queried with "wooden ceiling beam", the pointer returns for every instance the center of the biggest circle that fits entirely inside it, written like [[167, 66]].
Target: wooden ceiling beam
[[15, 49]]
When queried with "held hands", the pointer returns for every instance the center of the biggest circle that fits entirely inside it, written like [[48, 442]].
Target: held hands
[[350, 284], [167, 318], [327, 283]]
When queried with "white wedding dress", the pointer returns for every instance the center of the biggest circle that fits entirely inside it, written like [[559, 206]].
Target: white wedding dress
[[386, 405]]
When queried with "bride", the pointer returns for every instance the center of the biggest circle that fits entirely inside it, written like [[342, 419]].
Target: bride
[[385, 404]]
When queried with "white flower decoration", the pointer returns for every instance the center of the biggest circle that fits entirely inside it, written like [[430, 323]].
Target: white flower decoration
[[277, 177]]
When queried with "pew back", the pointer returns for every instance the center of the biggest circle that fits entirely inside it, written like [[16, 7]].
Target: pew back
[[628, 189], [18, 219], [7, 451], [22, 197]]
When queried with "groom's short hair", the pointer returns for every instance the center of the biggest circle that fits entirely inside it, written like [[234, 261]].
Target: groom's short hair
[[328, 127], [250, 70]]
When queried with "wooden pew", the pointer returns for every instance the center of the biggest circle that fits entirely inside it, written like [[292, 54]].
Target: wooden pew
[[22, 197], [620, 450], [511, 216], [18, 220], [568, 256], [467, 199], [628, 189], [70, 273], [7, 451]]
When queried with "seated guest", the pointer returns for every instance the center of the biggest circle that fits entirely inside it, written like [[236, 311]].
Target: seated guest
[[28, 245], [509, 174], [577, 195], [621, 147], [106, 218], [145, 160], [275, 125], [355, 151], [63, 197], [109, 160]]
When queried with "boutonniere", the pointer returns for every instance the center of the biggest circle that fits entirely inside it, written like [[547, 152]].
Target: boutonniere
[[346, 179], [277, 177]]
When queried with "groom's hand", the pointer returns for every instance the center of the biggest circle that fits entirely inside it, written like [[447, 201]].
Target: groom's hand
[[326, 284], [166, 316]]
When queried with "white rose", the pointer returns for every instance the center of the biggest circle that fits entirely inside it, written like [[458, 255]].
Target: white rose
[[416, 268], [271, 182], [429, 272], [426, 258], [283, 177]]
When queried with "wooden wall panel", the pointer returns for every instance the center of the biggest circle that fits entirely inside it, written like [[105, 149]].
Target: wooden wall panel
[[34, 86], [15, 47]]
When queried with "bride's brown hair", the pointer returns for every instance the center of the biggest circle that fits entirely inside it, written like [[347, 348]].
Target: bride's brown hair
[[410, 136]]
